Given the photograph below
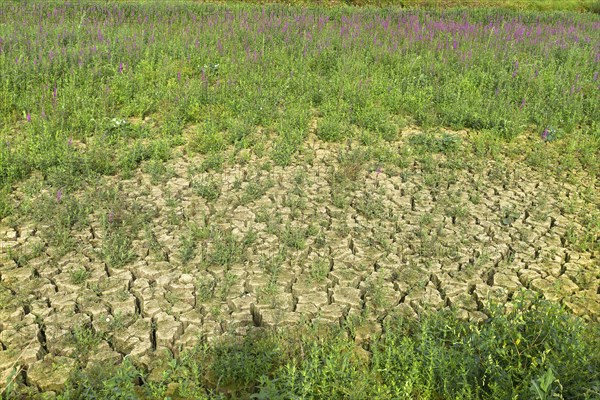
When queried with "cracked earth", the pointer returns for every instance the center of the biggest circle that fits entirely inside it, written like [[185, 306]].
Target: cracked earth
[[254, 245]]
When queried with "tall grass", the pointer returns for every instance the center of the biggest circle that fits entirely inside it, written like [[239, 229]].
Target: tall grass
[[71, 72]]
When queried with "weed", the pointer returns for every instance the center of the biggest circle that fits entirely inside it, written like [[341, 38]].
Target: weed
[[226, 249], [509, 215], [332, 129], [116, 249], [371, 206], [79, 276], [256, 189], [319, 270], [188, 248], [268, 293], [157, 170], [294, 237], [205, 287], [210, 189], [212, 162], [429, 142]]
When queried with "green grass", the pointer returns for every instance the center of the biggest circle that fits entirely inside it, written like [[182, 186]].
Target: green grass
[[516, 77]]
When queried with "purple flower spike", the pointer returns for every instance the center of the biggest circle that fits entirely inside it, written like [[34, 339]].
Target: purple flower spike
[[120, 68], [28, 117], [378, 171], [59, 195], [179, 76], [545, 135]]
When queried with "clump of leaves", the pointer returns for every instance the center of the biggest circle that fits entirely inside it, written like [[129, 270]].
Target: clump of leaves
[[116, 249], [434, 143], [79, 275], [332, 129], [509, 215], [210, 188], [255, 189], [227, 249]]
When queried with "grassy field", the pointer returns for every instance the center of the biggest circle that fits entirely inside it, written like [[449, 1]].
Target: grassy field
[[532, 5], [500, 72], [223, 200]]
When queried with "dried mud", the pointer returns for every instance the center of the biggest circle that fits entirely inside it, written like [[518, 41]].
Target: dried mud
[[393, 244]]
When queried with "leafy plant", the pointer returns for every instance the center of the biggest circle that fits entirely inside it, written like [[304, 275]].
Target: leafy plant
[[210, 189]]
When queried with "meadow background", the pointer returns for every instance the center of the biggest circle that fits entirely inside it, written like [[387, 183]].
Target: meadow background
[[91, 90], [71, 71]]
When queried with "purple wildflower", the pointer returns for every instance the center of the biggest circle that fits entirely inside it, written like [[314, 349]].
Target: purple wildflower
[[522, 104], [545, 135], [516, 69], [179, 76], [120, 68], [378, 171], [28, 117], [55, 92], [59, 195]]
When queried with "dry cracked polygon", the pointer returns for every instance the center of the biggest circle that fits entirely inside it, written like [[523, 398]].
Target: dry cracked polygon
[[58, 330], [103, 354], [135, 339], [386, 256], [51, 373], [428, 297], [276, 317], [192, 335], [307, 282], [331, 314]]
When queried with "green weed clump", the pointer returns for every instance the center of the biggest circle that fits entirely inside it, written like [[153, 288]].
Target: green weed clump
[[535, 351]]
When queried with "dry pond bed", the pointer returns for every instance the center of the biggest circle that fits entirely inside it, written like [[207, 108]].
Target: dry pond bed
[[159, 260]]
